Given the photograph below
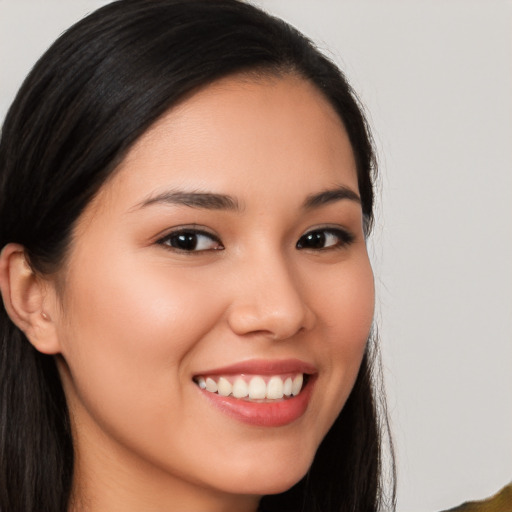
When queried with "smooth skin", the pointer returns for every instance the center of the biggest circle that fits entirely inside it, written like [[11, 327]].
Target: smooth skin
[[136, 311]]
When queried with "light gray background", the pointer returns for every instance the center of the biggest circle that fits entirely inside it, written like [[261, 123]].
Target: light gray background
[[436, 78]]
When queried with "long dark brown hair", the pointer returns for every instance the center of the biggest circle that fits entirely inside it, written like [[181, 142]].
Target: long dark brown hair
[[96, 91]]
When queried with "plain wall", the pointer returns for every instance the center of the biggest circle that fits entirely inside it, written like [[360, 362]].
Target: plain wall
[[436, 78]]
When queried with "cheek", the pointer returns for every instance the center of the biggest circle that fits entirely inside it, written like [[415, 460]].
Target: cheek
[[347, 316], [356, 310], [127, 340], [155, 308], [346, 305], [355, 316]]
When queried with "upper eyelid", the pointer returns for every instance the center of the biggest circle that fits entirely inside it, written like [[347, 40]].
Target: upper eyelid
[[196, 229], [330, 228]]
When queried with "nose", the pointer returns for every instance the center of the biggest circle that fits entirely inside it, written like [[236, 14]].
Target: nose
[[269, 301]]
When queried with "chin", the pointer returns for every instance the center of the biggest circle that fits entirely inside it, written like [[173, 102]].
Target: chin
[[268, 486], [268, 478]]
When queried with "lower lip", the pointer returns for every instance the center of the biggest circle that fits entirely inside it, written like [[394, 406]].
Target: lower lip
[[264, 414]]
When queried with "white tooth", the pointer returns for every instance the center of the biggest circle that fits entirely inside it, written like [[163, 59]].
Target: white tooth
[[297, 385], [201, 383], [257, 388], [240, 388], [287, 388], [275, 388], [224, 387], [211, 385]]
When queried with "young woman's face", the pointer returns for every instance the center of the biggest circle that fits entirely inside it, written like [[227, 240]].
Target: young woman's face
[[227, 252]]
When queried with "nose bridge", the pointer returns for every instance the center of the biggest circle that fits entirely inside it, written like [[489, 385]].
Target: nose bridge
[[269, 298]]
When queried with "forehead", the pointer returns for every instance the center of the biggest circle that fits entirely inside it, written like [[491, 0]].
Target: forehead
[[238, 136]]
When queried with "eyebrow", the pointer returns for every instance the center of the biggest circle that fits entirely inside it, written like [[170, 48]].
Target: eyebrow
[[204, 200], [213, 201], [330, 196]]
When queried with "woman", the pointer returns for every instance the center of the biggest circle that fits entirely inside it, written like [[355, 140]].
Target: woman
[[188, 300]]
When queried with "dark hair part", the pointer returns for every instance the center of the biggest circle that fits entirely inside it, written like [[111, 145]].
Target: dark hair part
[[94, 93]]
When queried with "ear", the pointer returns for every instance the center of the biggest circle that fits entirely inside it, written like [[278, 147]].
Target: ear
[[29, 299]]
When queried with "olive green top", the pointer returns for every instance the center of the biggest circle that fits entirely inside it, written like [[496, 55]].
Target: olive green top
[[501, 502]]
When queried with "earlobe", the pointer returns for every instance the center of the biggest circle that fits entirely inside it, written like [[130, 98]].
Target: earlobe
[[26, 299]]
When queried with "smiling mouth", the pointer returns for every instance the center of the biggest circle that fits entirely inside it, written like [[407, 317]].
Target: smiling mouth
[[261, 393], [254, 388]]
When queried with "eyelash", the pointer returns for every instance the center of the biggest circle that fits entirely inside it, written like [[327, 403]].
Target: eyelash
[[189, 236], [191, 239], [323, 235]]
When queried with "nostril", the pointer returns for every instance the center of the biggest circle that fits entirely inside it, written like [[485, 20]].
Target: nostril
[[273, 325]]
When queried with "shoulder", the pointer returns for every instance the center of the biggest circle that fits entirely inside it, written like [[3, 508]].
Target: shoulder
[[500, 502]]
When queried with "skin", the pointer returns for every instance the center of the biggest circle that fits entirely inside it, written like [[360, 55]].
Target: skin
[[134, 319]]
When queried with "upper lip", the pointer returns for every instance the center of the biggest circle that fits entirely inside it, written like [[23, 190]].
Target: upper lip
[[263, 367]]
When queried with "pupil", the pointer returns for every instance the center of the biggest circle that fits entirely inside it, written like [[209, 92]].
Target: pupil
[[315, 240], [186, 241]]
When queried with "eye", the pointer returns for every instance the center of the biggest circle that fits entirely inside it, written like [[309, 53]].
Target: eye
[[191, 240], [327, 238]]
